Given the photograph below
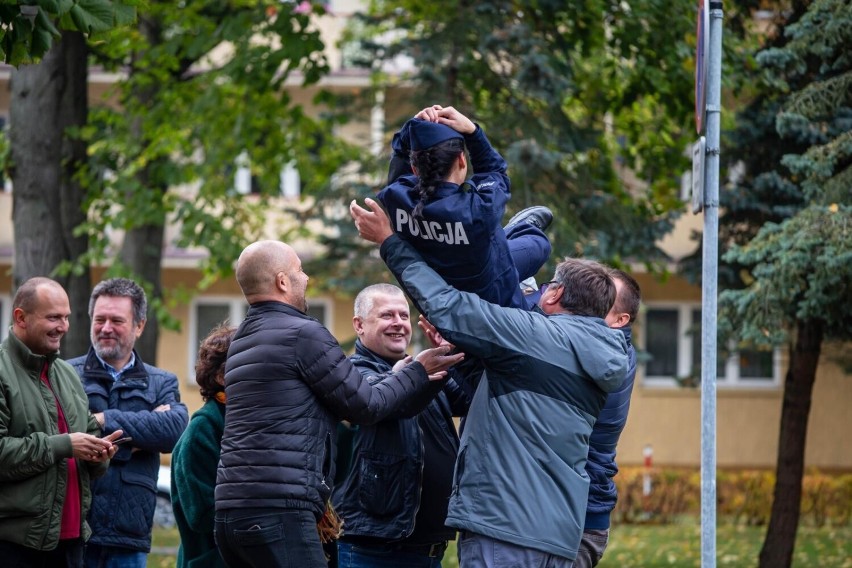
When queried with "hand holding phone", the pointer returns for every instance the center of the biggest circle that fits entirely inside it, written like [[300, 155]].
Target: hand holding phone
[[122, 441]]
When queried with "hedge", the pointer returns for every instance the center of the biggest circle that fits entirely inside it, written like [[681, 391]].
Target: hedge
[[743, 496]]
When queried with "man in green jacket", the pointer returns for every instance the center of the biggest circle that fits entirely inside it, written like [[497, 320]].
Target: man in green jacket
[[49, 444]]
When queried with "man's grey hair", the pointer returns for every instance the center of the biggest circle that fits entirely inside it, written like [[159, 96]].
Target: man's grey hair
[[122, 288], [366, 297]]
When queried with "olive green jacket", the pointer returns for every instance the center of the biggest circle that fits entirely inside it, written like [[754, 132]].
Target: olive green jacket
[[33, 454]]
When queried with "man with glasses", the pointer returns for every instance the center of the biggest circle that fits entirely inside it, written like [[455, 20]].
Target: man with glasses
[[520, 485]]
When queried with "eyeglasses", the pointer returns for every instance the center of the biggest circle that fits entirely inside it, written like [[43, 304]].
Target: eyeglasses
[[544, 286]]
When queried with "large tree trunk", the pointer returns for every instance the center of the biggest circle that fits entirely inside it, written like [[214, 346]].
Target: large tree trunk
[[142, 250], [777, 551], [46, 100]]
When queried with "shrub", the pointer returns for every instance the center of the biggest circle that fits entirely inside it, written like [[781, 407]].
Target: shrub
[[743, 496]]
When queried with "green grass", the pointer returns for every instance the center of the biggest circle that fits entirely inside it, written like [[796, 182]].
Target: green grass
[[653, 546]]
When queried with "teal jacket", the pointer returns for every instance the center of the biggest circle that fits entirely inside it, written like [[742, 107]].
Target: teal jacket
[[194, 462], [33, 454], [520, 475]]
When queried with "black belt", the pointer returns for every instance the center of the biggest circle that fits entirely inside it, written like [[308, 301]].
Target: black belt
[[431, 550]]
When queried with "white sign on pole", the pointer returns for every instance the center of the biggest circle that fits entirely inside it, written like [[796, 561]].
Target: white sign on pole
[[698, 153]]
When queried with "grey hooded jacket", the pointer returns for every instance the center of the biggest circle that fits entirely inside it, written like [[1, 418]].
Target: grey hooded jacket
[[520, 475]]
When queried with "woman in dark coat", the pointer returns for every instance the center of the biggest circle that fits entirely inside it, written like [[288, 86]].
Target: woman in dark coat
[[196, 456]]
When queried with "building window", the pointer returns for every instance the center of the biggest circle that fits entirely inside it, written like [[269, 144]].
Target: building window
[[208, 312], [661, 342], [245, 182], [672, 346]]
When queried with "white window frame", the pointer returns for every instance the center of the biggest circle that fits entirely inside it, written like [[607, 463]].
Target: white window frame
[[731, 376], [5, 315], [237, 308], [289, 178]]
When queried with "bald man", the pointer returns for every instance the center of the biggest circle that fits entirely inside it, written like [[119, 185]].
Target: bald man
[[287, 384], [49, 444]]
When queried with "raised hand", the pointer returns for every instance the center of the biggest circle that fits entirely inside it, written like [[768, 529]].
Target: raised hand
[[455, 120], [432, 333], [372, 225], [429, 113], [437, 360]]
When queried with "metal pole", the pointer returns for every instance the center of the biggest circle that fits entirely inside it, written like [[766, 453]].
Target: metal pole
[[709, 281]]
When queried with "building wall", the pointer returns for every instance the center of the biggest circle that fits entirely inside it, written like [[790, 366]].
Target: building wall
[[747, 423]]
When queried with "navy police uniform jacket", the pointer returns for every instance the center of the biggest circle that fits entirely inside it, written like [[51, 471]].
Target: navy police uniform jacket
[[460, 234]]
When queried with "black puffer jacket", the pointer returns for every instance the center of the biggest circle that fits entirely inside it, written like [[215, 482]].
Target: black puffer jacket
[[287, 384]]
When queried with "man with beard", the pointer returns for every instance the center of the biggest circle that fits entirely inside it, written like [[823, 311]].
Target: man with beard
[[126, 394]]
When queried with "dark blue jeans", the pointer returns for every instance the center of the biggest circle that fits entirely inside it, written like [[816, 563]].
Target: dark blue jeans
[[529, 247], [269, 538], [111, 557], [356, 556]]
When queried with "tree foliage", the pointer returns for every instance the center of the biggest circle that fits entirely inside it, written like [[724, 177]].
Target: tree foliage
[[790, 230], [788, 226], [28, 29], [205, 84], [801, 270], [591, 104]]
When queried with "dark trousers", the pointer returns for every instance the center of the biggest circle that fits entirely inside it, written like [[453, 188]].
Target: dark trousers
[[592, 547], [529, 247], [68, 554], [360, 556], [269, 538]]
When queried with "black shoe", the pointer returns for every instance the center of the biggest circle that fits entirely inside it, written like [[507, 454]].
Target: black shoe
[[538, 215]]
